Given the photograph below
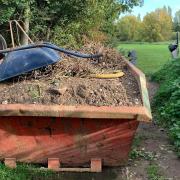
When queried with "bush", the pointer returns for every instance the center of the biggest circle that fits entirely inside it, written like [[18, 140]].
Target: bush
[[166, 103], [68, 36]]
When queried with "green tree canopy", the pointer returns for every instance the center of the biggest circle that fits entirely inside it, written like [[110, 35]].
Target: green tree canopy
[[157, 26], [128, 28], [70, 18], [177, 21]]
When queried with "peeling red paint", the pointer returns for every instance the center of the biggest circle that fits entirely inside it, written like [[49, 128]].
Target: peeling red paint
[[75, 142], [73, 134]]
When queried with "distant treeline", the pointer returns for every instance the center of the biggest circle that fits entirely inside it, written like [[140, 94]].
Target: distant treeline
[[72, 23], [158, 25]]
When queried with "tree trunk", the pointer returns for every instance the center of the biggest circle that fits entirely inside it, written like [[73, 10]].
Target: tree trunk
[[24, 39]]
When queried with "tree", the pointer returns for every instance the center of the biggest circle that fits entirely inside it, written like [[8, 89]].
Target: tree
[[73, 18], [15, 9], [169, 11], [177, 21], [139, 17], [157, 26], [128, 28]]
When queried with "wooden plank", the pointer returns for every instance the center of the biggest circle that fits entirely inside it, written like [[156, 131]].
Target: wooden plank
[[140, 77], [122, 112]]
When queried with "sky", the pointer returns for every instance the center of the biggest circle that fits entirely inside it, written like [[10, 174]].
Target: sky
[[151, 5]]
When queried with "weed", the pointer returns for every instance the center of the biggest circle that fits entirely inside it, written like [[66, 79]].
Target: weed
[[153, 173], [135, 154], [23, 171], [34, 92], [137, 140]]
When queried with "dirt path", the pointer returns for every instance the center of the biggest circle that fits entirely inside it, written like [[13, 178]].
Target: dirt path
[[152, 157], [154, 142], [157, 153]]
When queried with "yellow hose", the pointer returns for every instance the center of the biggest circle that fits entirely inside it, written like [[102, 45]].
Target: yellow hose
[[115, 74]]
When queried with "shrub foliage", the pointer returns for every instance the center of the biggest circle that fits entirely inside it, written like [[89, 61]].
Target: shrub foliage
[[65, 22], [166, 103]]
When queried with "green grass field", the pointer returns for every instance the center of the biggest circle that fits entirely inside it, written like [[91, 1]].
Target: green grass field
[[151, 57]]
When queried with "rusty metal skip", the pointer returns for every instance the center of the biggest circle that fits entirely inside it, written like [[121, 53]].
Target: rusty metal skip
[[71, 138]]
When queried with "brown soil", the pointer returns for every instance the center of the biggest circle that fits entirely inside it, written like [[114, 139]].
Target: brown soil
[[68, 82]]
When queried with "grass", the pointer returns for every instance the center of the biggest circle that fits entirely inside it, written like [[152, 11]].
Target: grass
[[137, 152], [24, 171], [154, 173], [151, 56]]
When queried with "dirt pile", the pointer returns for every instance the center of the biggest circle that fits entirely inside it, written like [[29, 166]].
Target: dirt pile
[[68, 82]]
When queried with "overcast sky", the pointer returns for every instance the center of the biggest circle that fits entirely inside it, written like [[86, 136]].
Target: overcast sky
[[151, 5]]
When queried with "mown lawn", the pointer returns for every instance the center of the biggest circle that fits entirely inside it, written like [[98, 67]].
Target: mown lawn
[[151, 57]]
